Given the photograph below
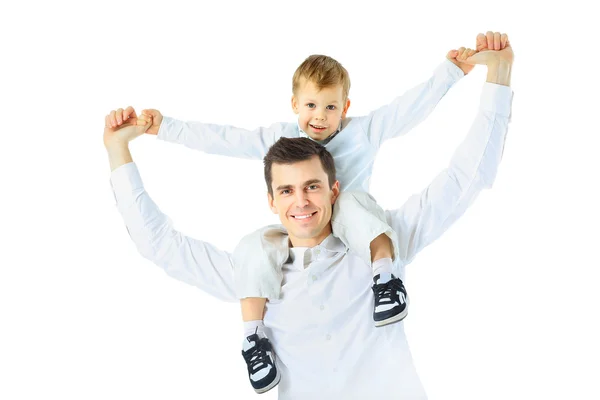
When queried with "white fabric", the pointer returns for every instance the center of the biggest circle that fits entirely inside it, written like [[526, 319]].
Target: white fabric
[[354, 147], [327, 345], [357, 219], [259, 256]]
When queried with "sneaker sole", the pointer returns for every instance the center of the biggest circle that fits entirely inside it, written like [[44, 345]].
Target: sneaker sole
[[396, 318], [271, 385]]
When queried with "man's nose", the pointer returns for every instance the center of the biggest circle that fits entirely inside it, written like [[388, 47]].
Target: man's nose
[[301, 199]]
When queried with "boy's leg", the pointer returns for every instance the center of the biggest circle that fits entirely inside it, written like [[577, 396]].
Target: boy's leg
[[376, 243], [257, 262]]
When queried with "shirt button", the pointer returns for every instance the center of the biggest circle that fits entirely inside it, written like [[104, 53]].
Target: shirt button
[[328, 337], [322, 307], [317, 252]]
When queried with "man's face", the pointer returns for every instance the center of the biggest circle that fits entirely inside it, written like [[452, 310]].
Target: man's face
[[303, 200], [319, 111]]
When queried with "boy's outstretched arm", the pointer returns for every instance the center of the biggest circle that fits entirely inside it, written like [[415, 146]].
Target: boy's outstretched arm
[[223, 140], [414, 106]]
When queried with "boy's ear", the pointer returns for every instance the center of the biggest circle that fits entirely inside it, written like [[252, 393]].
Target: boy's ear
[[346, 107], [295, 104]]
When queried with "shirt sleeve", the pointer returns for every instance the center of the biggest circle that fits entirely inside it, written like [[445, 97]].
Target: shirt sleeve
[[473, 167], [411, 108], [222, 140], [189, 260]]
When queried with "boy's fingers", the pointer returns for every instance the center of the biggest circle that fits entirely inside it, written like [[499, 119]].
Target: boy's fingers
[[113, 118], [497, 41]]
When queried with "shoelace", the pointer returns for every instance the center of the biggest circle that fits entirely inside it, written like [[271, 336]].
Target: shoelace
[[386, 293], [258, 354]]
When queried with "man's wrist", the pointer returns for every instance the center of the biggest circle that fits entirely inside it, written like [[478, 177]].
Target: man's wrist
[[118, 154], [499, 73]]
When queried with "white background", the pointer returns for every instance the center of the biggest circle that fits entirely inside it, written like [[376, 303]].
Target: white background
[[504, 305]]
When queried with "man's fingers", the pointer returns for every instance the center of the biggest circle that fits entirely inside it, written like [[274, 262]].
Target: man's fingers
[[119, 116], [113, 118], [497, 41], [490, 39], [129, 113], [481, 42], [503, 40]]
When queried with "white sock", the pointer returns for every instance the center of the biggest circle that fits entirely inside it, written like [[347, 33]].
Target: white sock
[[383, 268], [250, 328]]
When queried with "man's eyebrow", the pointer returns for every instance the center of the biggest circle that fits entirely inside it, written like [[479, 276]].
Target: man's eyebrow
[[307, 183], [311, 181]]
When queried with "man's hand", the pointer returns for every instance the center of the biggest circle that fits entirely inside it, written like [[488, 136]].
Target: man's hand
[[499, 61], [489, 41], [117, 117], [122, 126]]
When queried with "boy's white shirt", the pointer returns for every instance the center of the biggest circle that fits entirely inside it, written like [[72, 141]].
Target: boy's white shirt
[[354, 148]]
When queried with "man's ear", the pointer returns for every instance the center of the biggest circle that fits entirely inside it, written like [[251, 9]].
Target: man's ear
[[295, 104], [336, 192], [346, 107], [272, 203]]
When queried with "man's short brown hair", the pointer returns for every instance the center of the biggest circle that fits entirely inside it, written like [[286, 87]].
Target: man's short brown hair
[[324, 72], [290, 151]]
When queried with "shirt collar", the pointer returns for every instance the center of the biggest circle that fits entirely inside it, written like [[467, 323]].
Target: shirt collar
[[328, 248], [322, 142]]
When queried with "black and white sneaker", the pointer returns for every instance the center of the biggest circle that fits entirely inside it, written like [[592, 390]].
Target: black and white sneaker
[[391, 301], [260, 358]]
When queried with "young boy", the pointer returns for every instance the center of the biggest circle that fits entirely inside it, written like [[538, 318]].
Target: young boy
[[320, 99]]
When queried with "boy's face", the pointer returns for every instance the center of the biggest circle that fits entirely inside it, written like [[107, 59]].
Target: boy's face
[[303, 200], [319, 111]]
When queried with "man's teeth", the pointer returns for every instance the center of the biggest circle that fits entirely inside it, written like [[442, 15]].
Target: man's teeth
[[302, 216]]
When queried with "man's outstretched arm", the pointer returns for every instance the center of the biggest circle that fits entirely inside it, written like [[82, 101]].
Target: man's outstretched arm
[[427, 215], [192, 261]]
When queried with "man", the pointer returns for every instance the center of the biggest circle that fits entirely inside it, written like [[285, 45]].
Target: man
[[326, 346]]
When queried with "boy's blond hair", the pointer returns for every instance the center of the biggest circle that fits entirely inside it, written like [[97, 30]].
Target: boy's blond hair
[[324, 72]]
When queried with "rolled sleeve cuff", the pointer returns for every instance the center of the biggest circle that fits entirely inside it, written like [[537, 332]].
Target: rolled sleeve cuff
[[497, 99], [169, 129], [126, 181], [451, 70]]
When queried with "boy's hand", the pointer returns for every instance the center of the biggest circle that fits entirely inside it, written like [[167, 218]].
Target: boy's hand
[[117, 117], [457, 57], [156, 117], [119, 129]]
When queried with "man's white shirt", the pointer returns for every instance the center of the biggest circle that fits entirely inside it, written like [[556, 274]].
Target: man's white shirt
[[322, 328]]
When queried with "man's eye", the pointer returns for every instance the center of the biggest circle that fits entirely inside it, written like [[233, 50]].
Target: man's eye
[[310, 105], [285, 191], [331, 107], [313, 187]]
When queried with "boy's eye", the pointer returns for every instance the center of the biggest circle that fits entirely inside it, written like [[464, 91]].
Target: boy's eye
[[331, 107], [310, 105]]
